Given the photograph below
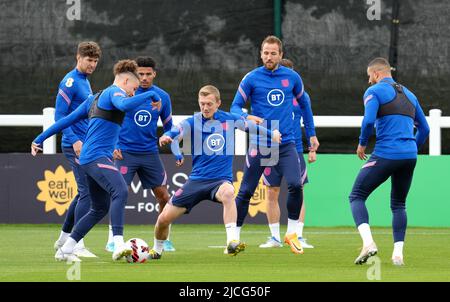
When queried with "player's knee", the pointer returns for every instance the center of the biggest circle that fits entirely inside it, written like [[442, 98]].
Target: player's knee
[[295, 187], [226, 193], [163, 220], [121, 194], [397, 205]]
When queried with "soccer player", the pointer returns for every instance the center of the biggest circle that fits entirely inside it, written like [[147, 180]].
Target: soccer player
[[271, 89], [211, 136], [272, 178], [137, 149], [394, 110], [73, 90], [106, 185]]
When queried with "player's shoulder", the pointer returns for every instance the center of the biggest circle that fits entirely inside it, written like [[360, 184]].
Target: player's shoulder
[[162, 93], [70, 80], [409, 94], [252, 74]]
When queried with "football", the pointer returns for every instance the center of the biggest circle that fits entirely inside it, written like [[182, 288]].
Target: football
[[140, 250]]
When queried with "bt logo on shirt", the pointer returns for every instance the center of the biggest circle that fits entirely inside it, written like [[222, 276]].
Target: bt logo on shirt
[[215, 142], [142, 118], [275, 97]]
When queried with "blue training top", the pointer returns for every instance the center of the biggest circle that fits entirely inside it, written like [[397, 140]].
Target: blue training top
[[271, 94], [102, 135], [212, 143], [394, 133], [140, 125], [72, 91]]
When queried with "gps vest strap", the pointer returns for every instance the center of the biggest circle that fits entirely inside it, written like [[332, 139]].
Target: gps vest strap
[[115, 116], [400, 104]]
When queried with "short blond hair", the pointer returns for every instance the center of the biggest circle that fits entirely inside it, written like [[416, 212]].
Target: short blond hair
[[208, 90], [273, 40]]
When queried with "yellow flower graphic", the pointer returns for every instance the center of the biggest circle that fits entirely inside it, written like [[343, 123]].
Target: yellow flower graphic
[[57, 190], [258, 203]]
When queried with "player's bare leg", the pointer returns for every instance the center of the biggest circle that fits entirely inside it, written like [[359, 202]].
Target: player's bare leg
[[162, 196], [167, 216], [273, 218], [225, 195]]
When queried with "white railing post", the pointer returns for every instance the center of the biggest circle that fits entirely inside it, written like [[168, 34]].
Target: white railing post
[[48, 120], [435, 132]]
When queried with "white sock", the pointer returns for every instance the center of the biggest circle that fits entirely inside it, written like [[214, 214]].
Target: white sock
[[158, 245], [300, 229], [275, 230], [68, 246], [366, 235], [398, 249], [168, 234], [63, 236], [231, 231], [238, 232], [80, 244], [118, 240], [110, 234], [292, 226]]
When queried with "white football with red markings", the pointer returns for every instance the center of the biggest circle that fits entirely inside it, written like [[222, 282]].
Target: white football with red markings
[[140, 250]]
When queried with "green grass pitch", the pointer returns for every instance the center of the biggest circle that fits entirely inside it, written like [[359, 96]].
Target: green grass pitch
[[27, 254]]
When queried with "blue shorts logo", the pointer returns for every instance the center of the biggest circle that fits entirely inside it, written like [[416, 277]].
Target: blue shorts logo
[[275, 97], [215, 142], [142, 118]]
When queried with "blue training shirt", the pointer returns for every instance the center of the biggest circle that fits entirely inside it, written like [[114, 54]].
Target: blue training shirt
[[140, 125], [72, 91], [395, 137], [102, 135], [212, 143], [271, 94]]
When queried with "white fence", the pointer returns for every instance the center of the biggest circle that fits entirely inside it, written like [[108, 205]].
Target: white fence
[[435, 120]]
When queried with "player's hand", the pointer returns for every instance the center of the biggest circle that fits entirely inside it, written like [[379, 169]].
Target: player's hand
[[361, 152], [276, 136], [314, 142], [164, 140], [312, 156], [156, 105], [77, 147], [35, 149], [117, 154], [255, 118], [179, 162]]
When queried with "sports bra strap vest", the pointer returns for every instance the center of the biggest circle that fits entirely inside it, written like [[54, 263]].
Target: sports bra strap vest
[[115, 116], [400, 104]]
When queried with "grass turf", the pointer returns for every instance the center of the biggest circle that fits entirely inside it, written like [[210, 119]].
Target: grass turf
[[27, 254]]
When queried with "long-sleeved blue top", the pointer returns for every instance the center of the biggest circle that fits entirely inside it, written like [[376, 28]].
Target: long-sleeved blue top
[[140, 125], [395, 137], [212, 143], [72, 91]]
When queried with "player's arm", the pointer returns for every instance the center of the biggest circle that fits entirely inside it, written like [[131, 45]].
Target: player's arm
[[166, 115], [62, 107], [308, 122], [124, 103], [371, 106], [240, 99], [253, 128], [174, 137], [80, 113], [423, 129]]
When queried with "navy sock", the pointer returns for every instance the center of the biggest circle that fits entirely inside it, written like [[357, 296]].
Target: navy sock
[[399, 220]]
